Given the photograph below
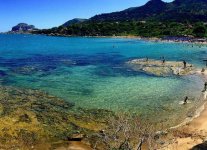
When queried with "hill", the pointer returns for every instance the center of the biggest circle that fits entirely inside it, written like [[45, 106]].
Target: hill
[[23, 27], [73, 21]]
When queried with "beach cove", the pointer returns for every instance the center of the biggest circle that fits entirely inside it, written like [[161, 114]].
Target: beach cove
[[91, 74]]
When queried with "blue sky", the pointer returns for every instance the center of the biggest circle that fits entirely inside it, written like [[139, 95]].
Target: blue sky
[[50, 13]]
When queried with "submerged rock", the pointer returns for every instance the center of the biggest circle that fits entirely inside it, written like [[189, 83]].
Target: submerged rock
[[29, 70], [160, 68], [35, 118], [25, 118]]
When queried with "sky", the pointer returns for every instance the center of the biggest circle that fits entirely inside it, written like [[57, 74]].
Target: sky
[[50, 13]]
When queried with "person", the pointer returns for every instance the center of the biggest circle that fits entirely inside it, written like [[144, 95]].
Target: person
[[205, 61], [185, 100], [185, 64], [163, 59], [147, 59], [203, 70], [205, 87]]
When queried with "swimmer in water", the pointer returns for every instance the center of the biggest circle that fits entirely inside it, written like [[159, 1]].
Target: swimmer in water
[[185, 100]]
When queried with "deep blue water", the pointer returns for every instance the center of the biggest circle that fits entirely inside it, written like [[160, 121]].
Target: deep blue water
[[91, 73]]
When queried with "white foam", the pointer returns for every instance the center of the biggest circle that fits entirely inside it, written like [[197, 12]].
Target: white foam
[[182, 102], [190, 119]]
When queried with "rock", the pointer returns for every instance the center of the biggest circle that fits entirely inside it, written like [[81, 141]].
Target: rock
[[158, 71], [158, 68], [161, 133], [158, 134], [76, 145], [125, 146], [30, 116], [28, 137], [1, 109], [25, 118], [76, 137], [161, 142]]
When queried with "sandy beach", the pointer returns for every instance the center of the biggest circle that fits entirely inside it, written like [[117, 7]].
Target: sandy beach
[[192, 135]]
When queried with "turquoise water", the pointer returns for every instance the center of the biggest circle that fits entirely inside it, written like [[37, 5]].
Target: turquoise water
[[91, 73]]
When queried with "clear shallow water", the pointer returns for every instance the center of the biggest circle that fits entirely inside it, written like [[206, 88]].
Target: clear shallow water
[[90, 72]]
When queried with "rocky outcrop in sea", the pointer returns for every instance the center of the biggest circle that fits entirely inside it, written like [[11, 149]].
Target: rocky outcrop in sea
[[161, 67]]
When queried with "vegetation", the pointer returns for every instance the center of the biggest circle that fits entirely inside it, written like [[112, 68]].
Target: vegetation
[[74, 21], [199, 30], [134, 28]]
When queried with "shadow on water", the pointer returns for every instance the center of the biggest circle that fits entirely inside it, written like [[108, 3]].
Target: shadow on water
[[202, 146], [116, 71], [48, 63], [3, 73], [106, 65]]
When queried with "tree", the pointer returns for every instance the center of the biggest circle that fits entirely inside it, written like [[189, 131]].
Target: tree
[[199, 30]]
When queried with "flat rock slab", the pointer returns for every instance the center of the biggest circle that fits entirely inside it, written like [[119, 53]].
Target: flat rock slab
[[158, 68]]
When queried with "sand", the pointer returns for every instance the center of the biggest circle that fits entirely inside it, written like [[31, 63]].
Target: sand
[[194, 133]]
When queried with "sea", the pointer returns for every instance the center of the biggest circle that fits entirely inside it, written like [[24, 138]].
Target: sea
[[92, 73]]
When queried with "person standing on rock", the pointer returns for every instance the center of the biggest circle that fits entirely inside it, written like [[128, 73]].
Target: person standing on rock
[[147, 59], [185, 64], [163, 60]]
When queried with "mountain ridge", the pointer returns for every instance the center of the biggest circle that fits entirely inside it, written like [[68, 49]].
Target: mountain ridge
[[191, 10]]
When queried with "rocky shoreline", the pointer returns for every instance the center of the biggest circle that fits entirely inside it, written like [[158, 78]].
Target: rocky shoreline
[[31, 119]]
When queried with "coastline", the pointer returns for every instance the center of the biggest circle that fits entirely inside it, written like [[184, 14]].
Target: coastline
[[187, 126], [167, 39], [151, 39], [191, 134]]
